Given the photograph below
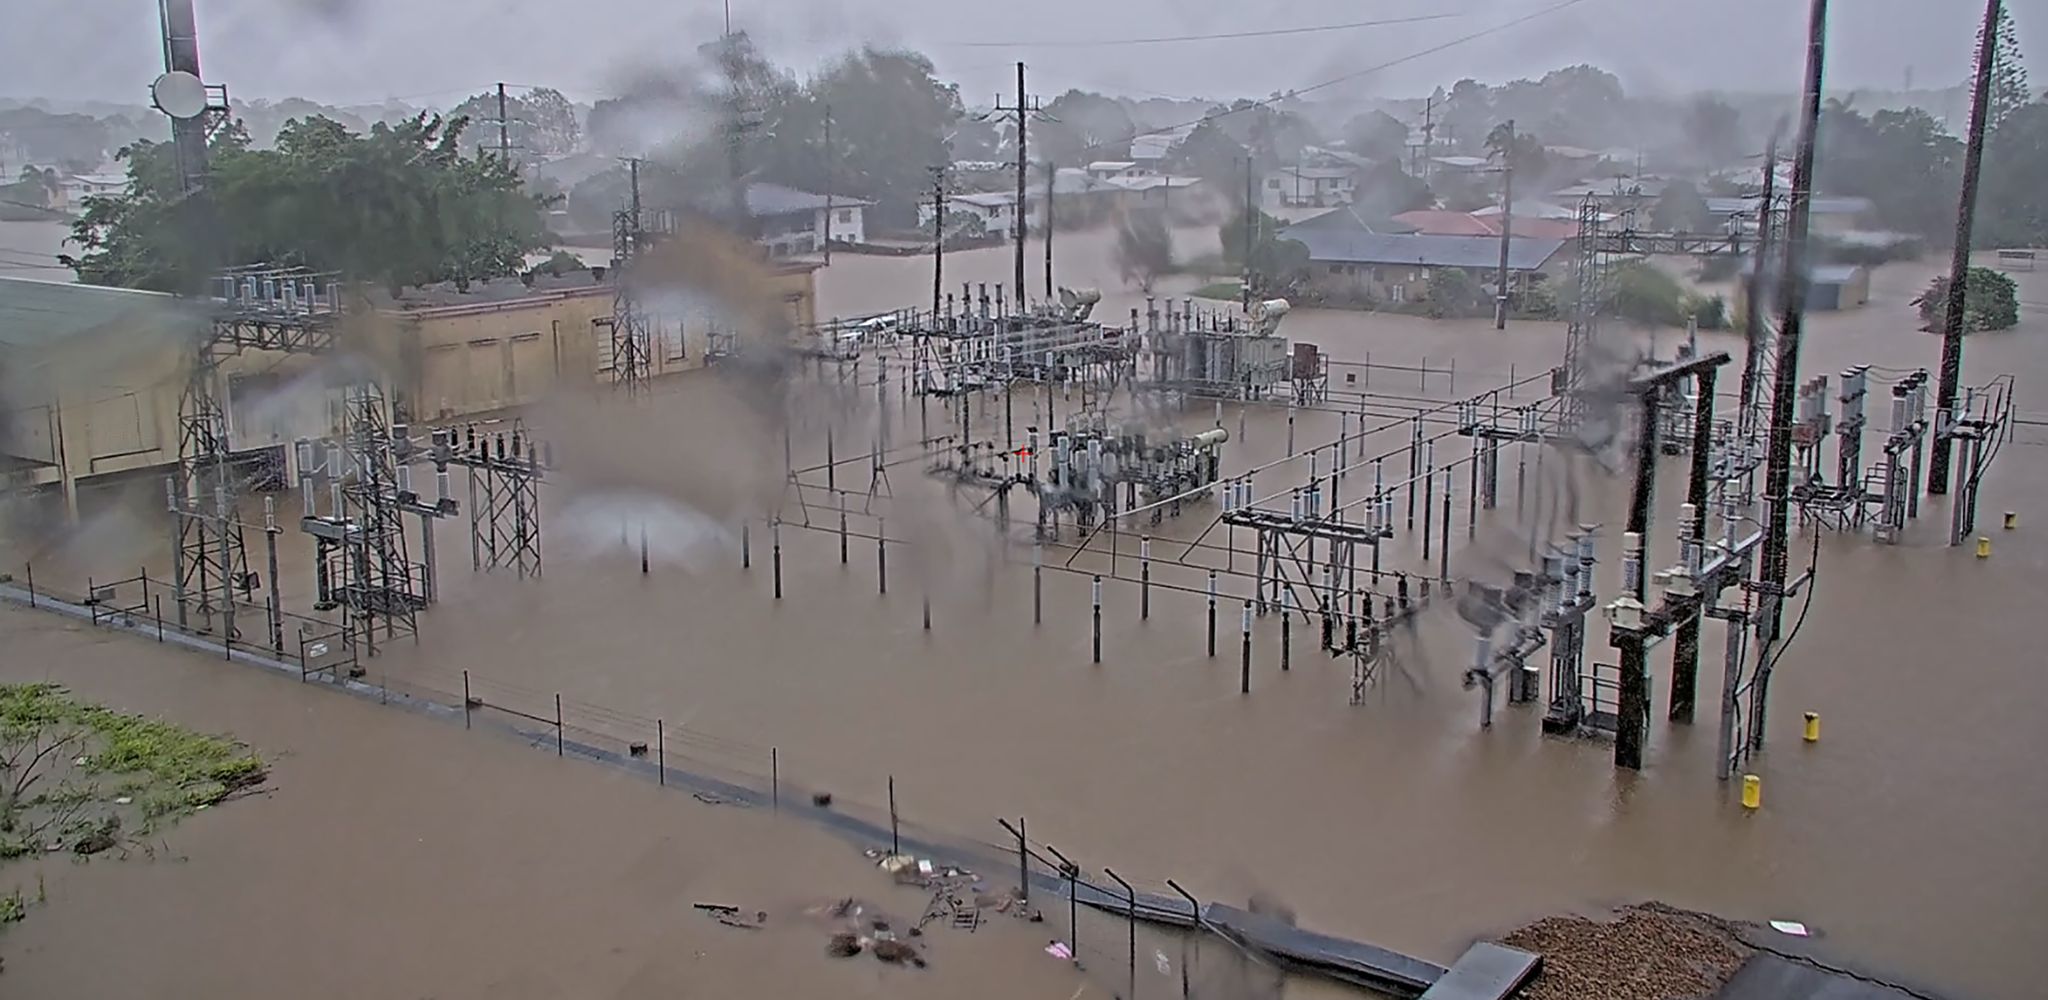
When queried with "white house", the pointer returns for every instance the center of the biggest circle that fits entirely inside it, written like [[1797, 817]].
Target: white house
[[995, 209], [78, 187], [1110, 170], [1311, 187], [797, 222]]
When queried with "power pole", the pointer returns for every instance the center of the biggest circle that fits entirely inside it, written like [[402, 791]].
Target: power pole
[[1022, 223], [1051, 174], [1024, 108], [504, 129], [1792, 308], [1507, 225], [1251, 217], [1959, 261], [828, 183], [1753, 323], [1428, 134], [938, 241]]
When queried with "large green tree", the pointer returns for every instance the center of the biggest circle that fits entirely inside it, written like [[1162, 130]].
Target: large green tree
[[1210, 153], [539, 123], [2009, 89], [1376, 134], [398, 205], [1901, 159], [1084, 127], [2012, 206]]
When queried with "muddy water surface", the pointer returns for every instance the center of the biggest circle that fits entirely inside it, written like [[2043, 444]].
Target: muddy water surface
[[1904, 836]]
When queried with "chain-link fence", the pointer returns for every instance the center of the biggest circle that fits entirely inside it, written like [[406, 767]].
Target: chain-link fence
[[1134, 936]]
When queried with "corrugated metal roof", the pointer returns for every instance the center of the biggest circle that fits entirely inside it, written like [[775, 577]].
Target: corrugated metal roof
[[774, 199], [1424, 251], [37, 313]]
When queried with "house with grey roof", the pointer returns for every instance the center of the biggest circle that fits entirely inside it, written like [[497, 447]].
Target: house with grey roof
[[790, 222], [1360, 265]]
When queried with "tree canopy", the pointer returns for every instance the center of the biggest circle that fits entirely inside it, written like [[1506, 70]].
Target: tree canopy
[[1210, 153], [1990, 302], [1680, 209], [398, 205], [538, 123], [1376, 134], [1901, 159], [1084, 127]]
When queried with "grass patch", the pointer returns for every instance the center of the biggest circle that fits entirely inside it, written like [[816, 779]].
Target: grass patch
[[1227, 291], [75, 776]]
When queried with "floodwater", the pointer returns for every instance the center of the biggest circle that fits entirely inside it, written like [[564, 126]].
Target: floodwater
[[1905, 837], [392, 855]]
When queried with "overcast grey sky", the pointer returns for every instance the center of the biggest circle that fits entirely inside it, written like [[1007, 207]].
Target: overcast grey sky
[[436, 51]]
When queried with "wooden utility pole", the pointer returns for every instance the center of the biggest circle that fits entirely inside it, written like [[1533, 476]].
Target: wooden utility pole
[[504, 129], [1021, 224], [828, 183], [1251, 217], [1507, 225], [1959, 261], [938, 241], [1051, 174], [1792, 285]]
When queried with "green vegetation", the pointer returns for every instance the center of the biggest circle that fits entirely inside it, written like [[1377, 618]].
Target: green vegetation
[[400, 205], [1452, 293], [1990, 302], [76, 775], [1227, 291]]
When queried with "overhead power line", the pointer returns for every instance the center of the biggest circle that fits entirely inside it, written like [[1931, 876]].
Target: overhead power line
[[1265, 33], [1355, 74]]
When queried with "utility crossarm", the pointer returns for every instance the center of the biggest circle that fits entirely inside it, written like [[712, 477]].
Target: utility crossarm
[[1307, 528], [1633, 242]]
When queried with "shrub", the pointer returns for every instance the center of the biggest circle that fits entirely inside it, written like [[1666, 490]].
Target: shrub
[[1990, 302]]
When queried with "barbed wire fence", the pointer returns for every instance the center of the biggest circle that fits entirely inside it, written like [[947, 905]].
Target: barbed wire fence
[[1135, 935]]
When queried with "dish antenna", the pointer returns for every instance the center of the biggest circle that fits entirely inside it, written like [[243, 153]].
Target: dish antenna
[[179, 94]]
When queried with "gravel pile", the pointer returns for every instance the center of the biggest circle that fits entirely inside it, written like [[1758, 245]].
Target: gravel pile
[[1644, 952]]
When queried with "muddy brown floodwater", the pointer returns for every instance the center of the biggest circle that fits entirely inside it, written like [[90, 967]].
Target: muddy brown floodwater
[[1907, 837]]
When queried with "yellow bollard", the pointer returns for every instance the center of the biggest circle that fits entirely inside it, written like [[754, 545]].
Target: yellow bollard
[[2012, 520], [1813, 727], [1983, 546], [1752, 791]]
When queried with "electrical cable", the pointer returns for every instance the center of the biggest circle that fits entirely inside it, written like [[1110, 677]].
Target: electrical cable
[[1262, 33]]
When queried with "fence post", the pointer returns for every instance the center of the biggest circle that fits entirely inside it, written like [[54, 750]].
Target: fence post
[[31, 568], [746, 544], [1073, 873], [775, 533], [1131, 923], [775, 778], [558, 724], [92, 603], [465, 696], [895, 839], [160, 620], [882, 556], [661, 752]]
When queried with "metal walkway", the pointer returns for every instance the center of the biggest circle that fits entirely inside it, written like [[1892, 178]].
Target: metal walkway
[[1486, 971]]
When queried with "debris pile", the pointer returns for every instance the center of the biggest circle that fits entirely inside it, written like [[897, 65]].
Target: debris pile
[[863, 927], [1646, 952]]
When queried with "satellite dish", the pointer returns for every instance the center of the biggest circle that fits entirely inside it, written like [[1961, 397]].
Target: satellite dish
[[179, 94]]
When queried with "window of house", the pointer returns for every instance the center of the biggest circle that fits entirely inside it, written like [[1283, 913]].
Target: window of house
[[1398, 293], [1379, 274], [1336, 269], [846, 215], [1273, 183]]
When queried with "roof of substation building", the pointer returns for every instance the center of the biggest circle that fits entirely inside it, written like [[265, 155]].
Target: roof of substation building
[[35, 313]]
